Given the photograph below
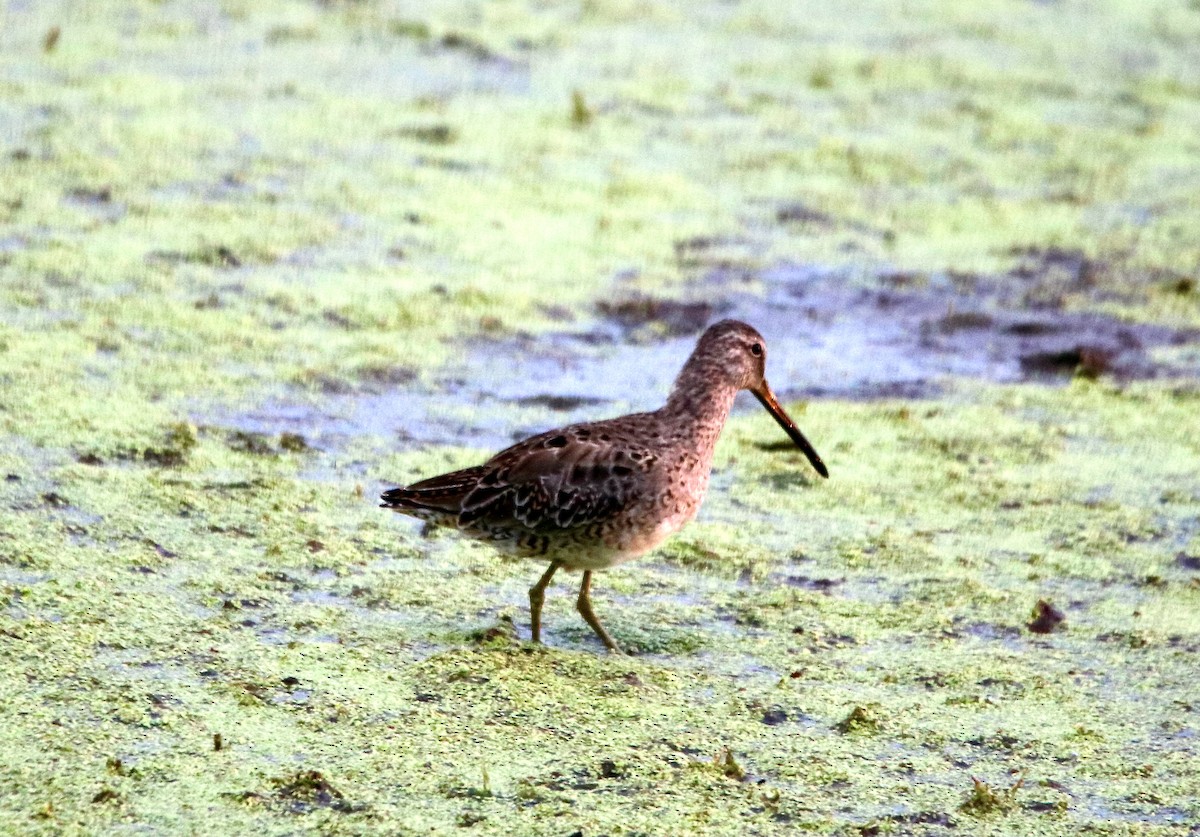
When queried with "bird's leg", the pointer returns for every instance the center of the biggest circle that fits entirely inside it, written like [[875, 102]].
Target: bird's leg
[[537, 595], [584, 603]]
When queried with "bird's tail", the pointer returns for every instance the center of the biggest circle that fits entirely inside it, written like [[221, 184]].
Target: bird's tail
[[442, 495]]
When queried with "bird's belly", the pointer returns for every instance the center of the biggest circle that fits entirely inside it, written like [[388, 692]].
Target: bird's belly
[[597, 546], [625, 542], [589, 548], [602, 555]]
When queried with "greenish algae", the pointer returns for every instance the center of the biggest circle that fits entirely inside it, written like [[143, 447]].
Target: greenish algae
[[158, 606], [205, 208]]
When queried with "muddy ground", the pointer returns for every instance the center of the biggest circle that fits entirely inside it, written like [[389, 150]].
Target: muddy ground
[[832, 337], [260, 260]]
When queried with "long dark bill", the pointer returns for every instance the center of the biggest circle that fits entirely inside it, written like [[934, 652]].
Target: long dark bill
[[767, 399]]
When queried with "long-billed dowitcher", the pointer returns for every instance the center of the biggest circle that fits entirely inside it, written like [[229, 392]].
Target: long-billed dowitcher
[[593, 495]]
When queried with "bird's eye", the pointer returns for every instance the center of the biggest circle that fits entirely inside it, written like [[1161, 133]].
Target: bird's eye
[[756, 349]]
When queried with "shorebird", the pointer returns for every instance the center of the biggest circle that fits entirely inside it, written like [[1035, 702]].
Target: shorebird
[[593, 495]]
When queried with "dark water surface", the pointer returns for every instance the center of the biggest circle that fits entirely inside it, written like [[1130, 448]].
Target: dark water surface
[[829, 336]]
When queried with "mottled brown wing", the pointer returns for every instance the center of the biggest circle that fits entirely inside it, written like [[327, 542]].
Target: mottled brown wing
[[577, 476]]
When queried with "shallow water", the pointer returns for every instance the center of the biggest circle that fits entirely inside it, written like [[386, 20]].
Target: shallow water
[[829, 334]]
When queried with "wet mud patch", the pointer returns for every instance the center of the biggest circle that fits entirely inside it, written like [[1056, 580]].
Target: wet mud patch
[[868, 340], [831, 336], [670, 316], [301, 793]]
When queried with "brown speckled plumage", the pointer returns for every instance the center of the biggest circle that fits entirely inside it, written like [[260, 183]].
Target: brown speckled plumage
[[590, 496]]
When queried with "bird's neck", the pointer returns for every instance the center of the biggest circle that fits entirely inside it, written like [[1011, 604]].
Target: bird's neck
[[700, 402]]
